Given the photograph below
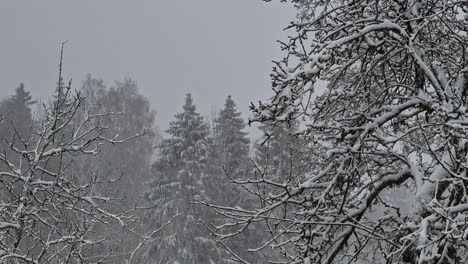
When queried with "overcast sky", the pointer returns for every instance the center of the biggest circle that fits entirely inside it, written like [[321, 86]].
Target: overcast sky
[[210, 48]]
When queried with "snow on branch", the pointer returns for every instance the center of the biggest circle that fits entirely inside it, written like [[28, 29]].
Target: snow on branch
[[48, 211], [381, 90]]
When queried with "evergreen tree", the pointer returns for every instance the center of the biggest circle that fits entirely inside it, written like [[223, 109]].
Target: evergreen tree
[[188, 133], [17, 113], [22, 97], [230, 139], [230, 155], [181, 172]]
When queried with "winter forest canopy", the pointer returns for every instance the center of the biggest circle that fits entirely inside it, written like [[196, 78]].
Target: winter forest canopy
[[362, 155]]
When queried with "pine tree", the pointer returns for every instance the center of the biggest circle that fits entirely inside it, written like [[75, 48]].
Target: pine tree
[[188, 132], [230, 139], [22, 97], [229, 156], [17, 110], [180, 174]]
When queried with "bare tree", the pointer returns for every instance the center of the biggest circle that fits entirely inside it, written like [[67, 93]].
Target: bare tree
[[49, 213], [131, 159], [392, 120]]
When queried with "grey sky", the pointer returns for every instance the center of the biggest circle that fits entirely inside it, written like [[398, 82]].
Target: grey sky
[[211, 48]]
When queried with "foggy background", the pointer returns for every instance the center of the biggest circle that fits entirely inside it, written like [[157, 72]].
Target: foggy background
[[211, 48]]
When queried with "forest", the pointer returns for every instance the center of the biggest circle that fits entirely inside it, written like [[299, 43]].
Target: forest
[[362, 154]]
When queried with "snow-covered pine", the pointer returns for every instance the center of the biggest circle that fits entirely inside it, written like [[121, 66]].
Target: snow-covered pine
[[180, 175], [229, 159], [230, 141]]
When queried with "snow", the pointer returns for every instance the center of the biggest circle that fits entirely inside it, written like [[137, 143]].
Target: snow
[[5, 225]]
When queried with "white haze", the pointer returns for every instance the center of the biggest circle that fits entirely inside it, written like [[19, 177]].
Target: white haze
[[210, 48]]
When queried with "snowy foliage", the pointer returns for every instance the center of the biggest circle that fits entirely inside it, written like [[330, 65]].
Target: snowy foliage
[[130, 160], [230, 139], [392, 119], [49, 213], [180, 177]]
